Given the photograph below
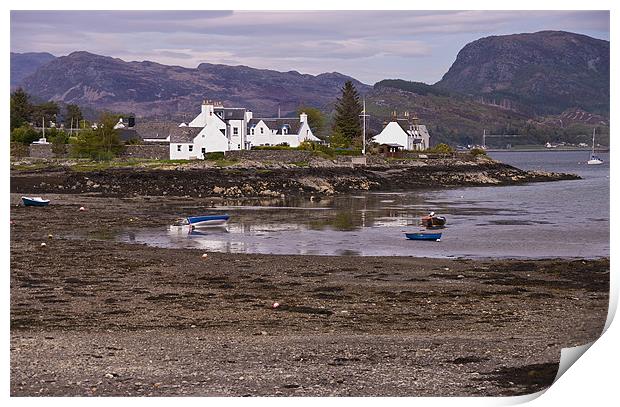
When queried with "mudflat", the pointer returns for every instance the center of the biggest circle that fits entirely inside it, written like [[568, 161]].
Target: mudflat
[[93, 316]]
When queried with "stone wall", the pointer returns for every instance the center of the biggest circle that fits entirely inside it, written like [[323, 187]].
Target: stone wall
[[147, 151], [276, 156], [19, 150], [41, 151]]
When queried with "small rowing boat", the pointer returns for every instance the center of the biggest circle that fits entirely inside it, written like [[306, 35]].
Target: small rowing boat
[[36, 201], [207, 220], [424, 236]]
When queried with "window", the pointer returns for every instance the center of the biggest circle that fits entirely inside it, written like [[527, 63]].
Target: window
[[284, 130], [252, 131], [191, 147], [235, 131], [307, 132], [178, 147], [204, 150], [262, 130], [239, 146]]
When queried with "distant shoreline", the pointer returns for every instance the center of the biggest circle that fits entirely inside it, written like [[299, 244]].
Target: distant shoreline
[[529, 150]]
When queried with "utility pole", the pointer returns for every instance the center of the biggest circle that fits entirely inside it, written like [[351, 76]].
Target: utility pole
[[364, 115]]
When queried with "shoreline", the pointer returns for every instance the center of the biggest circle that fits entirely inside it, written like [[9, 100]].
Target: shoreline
[[100, 317], [251, 179]]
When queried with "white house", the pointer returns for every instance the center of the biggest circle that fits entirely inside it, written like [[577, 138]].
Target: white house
[[217, 128], [407, 134]]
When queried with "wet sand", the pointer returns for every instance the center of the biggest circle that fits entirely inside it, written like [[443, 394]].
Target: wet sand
[[99, 317]]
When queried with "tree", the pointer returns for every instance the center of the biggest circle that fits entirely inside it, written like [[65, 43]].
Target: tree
[[316, 119], [21, 108], [339, 140], [73, 116], [101, 143], [47, 111], [348, 111]]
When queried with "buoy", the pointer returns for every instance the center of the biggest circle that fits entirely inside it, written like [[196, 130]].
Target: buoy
[[275, 305], [82, 208]]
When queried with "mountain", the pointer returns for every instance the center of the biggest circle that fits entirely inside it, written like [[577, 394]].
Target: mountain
[[26, 64], [541, 73], [149, 89]]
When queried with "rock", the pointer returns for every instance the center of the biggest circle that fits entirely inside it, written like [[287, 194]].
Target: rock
[[43, 245], [82, 209], [50, 236], [205, 256], [218, 190]]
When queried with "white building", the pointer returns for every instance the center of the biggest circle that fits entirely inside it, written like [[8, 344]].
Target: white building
[[404, 133], [217, 128]]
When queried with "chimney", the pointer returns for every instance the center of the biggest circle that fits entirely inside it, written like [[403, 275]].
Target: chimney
[[303, 117], [207, 107]]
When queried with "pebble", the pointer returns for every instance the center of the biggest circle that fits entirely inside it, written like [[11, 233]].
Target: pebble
[[43, 245], [460, 276], [82, 209], [205, 256], [109, 375], [50, 236], [275, 305]]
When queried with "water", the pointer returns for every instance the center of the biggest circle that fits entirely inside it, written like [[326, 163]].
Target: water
[[541, 220]]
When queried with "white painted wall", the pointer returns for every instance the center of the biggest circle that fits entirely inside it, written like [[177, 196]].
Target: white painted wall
[[394, 134]]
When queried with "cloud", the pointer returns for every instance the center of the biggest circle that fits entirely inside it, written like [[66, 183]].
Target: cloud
[[366, 44]]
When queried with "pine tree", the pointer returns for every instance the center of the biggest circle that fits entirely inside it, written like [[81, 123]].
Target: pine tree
[[348, 111], [21, 108]]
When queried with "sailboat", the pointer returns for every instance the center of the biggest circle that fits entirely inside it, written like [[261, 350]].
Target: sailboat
[[593, 158]]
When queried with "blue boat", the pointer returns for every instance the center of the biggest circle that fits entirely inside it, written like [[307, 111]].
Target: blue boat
[[37, 201], [207, 220], [424, 236]]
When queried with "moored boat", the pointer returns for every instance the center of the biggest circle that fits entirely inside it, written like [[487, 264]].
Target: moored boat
[[594, 159], [207, 220], [36, 201], [431, 220], [424, 236]]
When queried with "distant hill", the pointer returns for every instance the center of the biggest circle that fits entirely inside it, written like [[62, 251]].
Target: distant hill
[[26, 64], [149, 89], [545, 86], [539, 73]]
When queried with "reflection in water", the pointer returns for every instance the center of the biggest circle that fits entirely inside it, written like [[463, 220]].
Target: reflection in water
[[537, 220]]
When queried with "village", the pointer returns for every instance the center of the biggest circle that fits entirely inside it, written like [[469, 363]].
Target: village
[[218, 128]]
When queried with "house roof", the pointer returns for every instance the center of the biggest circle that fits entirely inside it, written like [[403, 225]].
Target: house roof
[[126, 134], [231, 113], [184, 134], [154, 130], [277, 123]]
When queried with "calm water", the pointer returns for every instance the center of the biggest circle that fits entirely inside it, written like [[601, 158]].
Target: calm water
[[555, 219]]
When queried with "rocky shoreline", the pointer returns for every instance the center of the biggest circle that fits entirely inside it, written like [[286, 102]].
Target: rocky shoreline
[[264, 181], [91, 316]]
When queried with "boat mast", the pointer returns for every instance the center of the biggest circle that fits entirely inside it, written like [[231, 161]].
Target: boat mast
[[593, 133]]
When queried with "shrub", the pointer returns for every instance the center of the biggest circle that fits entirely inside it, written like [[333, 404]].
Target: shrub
[[440, 149], [214, 155], [477, 151], [24, 134], [100, 144]]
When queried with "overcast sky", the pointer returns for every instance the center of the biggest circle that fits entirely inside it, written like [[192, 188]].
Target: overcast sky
[[368, 45]]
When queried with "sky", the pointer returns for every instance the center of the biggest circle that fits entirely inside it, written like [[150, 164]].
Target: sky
[[367, 45]]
